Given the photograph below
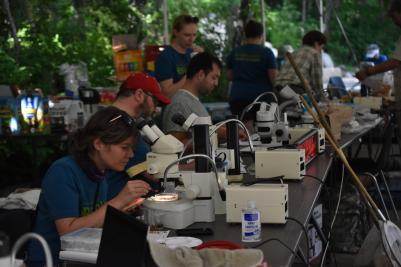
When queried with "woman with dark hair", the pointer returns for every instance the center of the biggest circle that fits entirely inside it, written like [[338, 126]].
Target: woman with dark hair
[[74, 190]]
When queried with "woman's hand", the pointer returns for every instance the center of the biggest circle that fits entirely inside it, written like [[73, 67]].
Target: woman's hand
[[133, 190]]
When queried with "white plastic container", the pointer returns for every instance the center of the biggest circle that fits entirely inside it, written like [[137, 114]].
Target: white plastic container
[[82, 240], [251, 226], [175, 214]]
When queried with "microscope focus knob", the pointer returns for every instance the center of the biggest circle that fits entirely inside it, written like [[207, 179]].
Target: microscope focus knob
[[279, 132], [192, 191], [152, 169]]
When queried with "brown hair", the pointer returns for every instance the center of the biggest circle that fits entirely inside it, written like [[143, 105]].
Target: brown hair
[[182, 20], [110, 124], [314, 36]]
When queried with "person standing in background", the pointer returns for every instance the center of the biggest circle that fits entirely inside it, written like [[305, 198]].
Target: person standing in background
[[251, 68], [171, 64], [394, 63], [373, 55]]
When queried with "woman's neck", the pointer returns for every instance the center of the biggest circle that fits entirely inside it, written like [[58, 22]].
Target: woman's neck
[[98, 162], [177, 47]]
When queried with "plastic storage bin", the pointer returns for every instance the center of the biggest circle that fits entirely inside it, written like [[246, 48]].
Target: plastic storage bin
[[82, 240]]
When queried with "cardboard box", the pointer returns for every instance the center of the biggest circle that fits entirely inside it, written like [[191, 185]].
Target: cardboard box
[[127, 62], [127, 58], [337, 115], [372, 102]]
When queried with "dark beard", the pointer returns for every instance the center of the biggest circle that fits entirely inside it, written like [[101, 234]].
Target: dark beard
[[203, 91]]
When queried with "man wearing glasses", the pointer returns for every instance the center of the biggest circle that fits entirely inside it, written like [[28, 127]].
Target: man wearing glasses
[[172, 63], [139, 96]]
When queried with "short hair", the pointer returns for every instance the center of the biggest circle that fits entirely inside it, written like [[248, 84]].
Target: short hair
[[182, 20], [111, 125], [314, 36], [202, 61], [253, 29], [395, 7]]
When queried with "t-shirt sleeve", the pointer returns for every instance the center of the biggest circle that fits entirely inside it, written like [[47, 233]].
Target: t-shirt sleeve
[[168, 124], [271, 62], [60, 192], [164, 67], [397, 51]]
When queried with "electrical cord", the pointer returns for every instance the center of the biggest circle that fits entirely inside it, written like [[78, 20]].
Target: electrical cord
[[313, 177], [222, 153], [334, 217], [185, 147], [255, 101], [306, 236], [218, 125], [283, 244], [324, 185]]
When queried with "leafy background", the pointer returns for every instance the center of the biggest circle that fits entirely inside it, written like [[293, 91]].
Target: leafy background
[[50, 33]]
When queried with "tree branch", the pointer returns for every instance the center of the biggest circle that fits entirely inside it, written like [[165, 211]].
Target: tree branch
[[17, 47]]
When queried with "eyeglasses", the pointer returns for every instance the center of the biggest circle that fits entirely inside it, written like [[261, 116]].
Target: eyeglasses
[[155, 99], [127, 120]]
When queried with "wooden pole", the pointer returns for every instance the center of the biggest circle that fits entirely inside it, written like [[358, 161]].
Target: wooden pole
[[309, 92], [368, 200], [320, 119]]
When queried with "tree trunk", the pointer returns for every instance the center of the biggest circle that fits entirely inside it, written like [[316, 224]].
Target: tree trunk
[[330, 9], [17, 47], [304, 5]]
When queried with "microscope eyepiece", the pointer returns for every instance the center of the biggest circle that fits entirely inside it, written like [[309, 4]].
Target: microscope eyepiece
[[178, 119], [140, 123]]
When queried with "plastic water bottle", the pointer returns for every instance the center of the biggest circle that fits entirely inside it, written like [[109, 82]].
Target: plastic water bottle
[[251, 227]]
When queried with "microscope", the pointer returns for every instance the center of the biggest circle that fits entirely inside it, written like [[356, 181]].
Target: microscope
[[164, 148], [201, 195], [272, 131]]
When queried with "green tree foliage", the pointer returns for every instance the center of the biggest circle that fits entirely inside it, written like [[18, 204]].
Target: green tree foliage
[[54, 32]]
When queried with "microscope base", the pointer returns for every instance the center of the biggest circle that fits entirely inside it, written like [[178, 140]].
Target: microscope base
[[204, 210], [175, 214]]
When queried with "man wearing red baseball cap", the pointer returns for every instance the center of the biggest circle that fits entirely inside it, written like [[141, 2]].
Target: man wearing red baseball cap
[[139, 95]]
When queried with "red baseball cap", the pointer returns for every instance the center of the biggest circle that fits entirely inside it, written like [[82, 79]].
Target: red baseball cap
[[147, 83]]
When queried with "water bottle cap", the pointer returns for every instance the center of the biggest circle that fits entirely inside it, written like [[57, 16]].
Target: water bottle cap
[[251, 204]]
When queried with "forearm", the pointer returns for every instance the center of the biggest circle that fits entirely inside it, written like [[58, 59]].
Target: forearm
[[169, 88], [92, 220], [383, 67]]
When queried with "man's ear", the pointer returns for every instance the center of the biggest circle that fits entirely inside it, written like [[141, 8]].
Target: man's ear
[[139, 95], [200, 75]]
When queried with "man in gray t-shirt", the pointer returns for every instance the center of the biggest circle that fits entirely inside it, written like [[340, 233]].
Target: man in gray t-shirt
[[202, 77]]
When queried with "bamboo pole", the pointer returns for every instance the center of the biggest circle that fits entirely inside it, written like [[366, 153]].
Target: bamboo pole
[[310, 94], [368, 200], [321, 120]]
